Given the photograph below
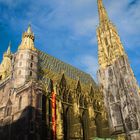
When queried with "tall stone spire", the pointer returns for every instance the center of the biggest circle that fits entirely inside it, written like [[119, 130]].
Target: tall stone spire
[[109, 43], [115, 76], [103, 17], [27, 40]]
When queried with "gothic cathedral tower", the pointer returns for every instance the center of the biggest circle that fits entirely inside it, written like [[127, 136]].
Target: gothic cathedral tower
[[117, 80], [25, 60]]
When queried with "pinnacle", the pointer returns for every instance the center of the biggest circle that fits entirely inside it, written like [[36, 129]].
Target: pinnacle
[[9, 48], [29, 30]]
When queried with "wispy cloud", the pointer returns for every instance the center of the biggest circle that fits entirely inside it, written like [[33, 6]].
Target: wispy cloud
[[68, 28], [90, 64]]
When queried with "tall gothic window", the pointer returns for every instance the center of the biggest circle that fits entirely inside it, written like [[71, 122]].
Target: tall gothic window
[[118, 115], [31, 73], [8, 111], [32, 57], [20, 103], [38, 101]]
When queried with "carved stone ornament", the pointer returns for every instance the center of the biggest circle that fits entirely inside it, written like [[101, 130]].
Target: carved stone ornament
[[76, 108]]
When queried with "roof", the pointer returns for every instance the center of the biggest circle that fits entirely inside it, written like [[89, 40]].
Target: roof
[[52, 64]]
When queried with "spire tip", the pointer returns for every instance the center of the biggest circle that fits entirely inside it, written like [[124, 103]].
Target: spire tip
[[29, 30]]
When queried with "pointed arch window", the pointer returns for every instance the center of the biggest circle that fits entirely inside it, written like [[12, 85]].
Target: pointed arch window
[[38, 101], [31, 65], [8, 110], [31, 73], [32, 57], [117, 114]]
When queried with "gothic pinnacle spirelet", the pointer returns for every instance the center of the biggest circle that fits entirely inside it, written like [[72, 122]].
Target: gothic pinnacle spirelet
[[109, 43]]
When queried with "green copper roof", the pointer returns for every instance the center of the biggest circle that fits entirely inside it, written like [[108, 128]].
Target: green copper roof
[[49, 62]]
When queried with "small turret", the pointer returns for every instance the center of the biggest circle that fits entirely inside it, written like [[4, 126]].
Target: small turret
[[5, 66], [28, 40]]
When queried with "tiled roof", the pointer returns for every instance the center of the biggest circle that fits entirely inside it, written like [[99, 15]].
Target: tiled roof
[[53, 64]]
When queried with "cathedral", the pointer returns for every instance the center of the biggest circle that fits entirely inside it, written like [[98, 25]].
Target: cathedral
[[43, 98]]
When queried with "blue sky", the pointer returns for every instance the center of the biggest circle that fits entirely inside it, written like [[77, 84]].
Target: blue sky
[[66, 29]]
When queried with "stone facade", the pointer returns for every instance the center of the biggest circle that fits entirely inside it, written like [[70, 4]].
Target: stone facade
[[43, 98], [119, 86]]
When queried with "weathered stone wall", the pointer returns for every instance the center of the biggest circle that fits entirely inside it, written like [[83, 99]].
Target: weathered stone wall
[[121, 96]]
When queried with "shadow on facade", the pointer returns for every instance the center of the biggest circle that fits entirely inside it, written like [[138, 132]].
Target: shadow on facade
[[30, 125]]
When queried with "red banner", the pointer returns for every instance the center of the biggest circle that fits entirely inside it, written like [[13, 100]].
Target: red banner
[[54, 115]]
